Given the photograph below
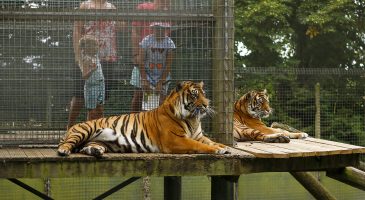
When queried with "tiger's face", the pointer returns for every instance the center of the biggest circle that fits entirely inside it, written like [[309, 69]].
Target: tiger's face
[[192, 100], [256, 104]]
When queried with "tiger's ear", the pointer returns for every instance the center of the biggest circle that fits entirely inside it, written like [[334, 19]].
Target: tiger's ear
[[249, 95], [179, 85], [201, 84]]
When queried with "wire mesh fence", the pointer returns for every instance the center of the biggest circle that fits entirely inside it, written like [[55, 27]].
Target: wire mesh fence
[[339, 114], [42, 87]]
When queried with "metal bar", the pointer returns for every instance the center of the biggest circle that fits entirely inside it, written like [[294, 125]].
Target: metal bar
[[172, 188], [302, 71], [116, 188], [28, 188], [99, 14]]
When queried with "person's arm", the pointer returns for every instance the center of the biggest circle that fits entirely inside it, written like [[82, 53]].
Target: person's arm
[[136, 39], [142, 70], [170, 56], [88, 67]]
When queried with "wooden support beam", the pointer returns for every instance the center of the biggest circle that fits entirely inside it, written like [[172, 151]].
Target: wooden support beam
[[361, 166], [350, 176], [116, 188], [310, 183], [172, 187], [29, 188], [223, 187]]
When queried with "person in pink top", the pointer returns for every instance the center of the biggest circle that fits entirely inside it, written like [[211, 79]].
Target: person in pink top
[[141, 29], [105, 31]]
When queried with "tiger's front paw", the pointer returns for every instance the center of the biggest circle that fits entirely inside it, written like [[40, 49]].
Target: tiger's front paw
[[303, 135], [219, 145], [96, 151], [276, 138], [63, 151], [223, 151]]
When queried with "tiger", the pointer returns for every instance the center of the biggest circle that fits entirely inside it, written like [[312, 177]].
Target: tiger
[[248, 112], [173, 127]]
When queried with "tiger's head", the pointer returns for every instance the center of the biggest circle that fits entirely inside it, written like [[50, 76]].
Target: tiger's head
[[254, 103], [189, 101]]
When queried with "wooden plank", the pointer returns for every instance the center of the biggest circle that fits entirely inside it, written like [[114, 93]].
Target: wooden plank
[[296, 148], [17, 153], [331, 149], [253, 148], [277, 152], [354, 148], [33, 153], [4, 153], [48, 153], [304, 151], [318, 150]]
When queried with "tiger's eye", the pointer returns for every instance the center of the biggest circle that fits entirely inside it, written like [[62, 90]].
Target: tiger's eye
[[194, 93]]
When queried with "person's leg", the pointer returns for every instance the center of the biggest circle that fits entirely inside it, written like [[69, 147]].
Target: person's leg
[[162, 98], [109, 77], [163, 93], [137, 100], [96, 113], [77, 100], [75, 106]]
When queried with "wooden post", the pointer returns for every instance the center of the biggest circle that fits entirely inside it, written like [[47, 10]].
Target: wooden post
[[317, 122], [317, 118], [350, 176], [49, 106], [223, 70], [310, 183], [361, 166], [172, 188], [223, 187]]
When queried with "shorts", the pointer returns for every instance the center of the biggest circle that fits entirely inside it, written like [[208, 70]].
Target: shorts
[[94, 95], [136, 80]]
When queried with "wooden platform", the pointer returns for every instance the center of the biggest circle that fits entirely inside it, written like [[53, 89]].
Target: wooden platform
[[310, 147], [247, 157]]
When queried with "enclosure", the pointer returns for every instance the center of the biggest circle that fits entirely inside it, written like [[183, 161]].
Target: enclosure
[[37, 80], [38, 61]]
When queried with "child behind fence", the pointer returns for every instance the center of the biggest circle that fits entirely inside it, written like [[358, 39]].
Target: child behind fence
[[94, 88]]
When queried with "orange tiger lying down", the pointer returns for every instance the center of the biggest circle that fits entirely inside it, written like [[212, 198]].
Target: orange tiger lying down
[[249, 110], [174, 127]]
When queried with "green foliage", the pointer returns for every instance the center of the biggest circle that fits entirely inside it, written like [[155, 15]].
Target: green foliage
[[289, 34], [309, 33]]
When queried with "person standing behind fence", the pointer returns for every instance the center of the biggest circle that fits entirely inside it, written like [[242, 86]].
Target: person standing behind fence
[[105, 31], [153, 76], [94, 88], [140, 29]]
